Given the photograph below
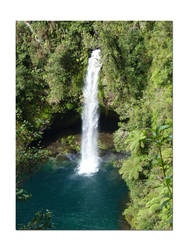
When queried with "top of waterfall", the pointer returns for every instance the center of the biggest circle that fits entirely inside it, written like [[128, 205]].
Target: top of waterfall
[[96, 56], [96, 53]]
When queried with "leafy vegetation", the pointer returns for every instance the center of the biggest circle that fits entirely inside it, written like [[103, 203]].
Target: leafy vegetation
[[148, 135], [41, 221], [135, 82], [22, 194], [70, 143]]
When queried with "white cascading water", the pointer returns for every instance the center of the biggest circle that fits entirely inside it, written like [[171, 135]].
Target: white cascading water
[[89, 149]]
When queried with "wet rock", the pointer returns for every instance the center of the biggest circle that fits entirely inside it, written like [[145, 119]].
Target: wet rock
[[61, 157]]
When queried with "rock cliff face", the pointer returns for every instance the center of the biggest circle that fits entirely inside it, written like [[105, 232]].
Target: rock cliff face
[[70, 124]]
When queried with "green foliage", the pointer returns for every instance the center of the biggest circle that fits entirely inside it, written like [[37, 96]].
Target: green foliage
[[62, 76], [125, 63], [148, 134], [26, 133], [135, 81], [158, 139], [28, 162], [41, 221], [101, 145], [70, 143], [22, 194]]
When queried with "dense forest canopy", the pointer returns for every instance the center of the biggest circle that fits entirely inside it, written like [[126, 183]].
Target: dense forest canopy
[[135, 82]]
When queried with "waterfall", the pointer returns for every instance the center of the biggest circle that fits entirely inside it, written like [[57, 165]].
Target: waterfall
[[89, 149]]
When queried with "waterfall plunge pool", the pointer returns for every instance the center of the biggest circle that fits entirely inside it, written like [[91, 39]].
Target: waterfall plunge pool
[[77, 202]]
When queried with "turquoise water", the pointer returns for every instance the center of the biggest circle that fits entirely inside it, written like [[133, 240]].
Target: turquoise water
[[77, 202]]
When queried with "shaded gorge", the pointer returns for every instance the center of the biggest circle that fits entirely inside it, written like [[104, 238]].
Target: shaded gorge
[[70, 123]]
